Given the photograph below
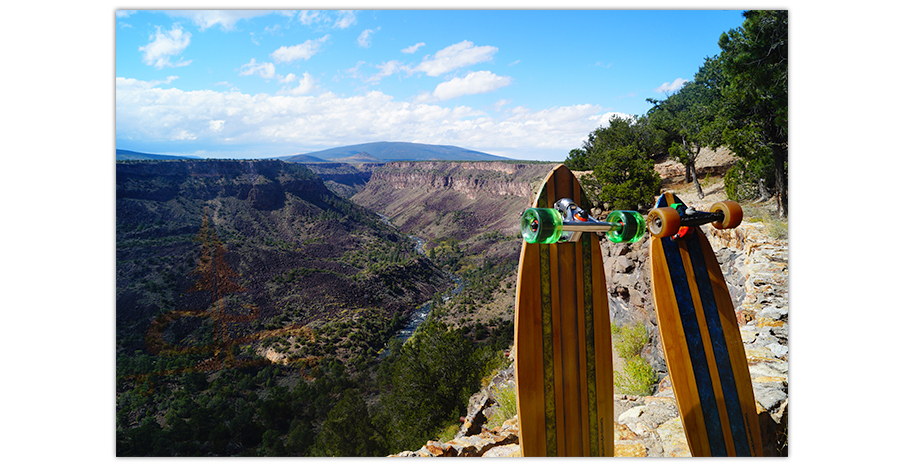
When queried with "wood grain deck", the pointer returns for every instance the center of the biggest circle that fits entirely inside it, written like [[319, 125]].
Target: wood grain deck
[[562, 340], [703, 347]]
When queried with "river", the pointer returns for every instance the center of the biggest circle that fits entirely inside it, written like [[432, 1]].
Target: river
[[420, 313]]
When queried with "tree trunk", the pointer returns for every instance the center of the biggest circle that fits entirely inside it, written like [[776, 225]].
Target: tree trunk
[[693, 171], [763, 192], [687, 166], [780, 179]]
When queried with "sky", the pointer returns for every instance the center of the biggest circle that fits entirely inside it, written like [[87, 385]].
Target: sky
[[525, 85]]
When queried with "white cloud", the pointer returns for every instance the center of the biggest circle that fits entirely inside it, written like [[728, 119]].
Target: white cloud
[[126, 83], [385, 70], [500, 104], [304, 86], [476, 82], [164, 45], [327, 18], [413, 48], [353, 72], [282, 122], [674, 86], [456, 56], [183, 134], [308, 17], [364, 38], [302, 51], [265, 70], [226, 19], [346, 18], [603, 120]]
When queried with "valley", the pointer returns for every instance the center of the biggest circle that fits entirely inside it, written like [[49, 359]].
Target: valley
[[235, 278]]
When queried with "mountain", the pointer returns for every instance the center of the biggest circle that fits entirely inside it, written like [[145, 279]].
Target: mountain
[[302, 159], [344, 179], [122, 154], [394, 151]]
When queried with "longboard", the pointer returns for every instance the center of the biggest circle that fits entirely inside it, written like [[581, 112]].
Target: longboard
[[563, 349], [699, 331]]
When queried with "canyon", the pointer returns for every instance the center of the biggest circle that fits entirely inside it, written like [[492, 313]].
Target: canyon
[[314, 278]]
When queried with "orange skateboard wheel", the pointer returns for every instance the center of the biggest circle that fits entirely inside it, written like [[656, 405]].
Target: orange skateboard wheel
[[731, 210], [663, 221]]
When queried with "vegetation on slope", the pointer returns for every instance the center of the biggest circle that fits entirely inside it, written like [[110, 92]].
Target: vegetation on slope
[[252, 324]]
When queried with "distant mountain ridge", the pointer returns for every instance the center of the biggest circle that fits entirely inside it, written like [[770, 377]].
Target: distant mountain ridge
[[372, 152], [122, 154], [394, 151]]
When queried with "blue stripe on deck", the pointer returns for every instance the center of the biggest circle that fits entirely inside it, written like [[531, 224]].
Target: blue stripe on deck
[[694, 341], [719, 346]]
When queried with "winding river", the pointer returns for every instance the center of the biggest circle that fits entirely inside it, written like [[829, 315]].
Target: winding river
[[421, 313]]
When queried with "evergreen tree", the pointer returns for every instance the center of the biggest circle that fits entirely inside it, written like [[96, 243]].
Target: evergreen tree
[[626, 179], [428, 384], [349, 430], [620, 156], [687, 117], [754, 105]]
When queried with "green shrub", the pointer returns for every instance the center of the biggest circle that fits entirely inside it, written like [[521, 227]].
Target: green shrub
[[776, 227], [629, 340], [636, 378], [449, 432], [506, 407]]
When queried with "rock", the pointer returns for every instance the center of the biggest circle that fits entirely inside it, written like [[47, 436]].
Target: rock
[[769, 395], [777, 349], [632, 413], [630, 451], [504, 451], [773, 313], [623, 433], [475, 417], [671, 435], [624, 264], [481, 403]]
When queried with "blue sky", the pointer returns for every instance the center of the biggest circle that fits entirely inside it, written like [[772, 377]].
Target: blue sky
[[520, 84]]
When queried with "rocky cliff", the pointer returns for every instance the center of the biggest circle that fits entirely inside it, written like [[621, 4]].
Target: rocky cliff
[[264, 183], [453, 199]]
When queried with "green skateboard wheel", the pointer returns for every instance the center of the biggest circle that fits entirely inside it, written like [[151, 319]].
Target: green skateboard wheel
[[542, 226], [632, 229]]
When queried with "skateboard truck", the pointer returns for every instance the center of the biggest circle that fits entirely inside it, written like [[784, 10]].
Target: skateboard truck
[[565, 222], [679, 220]]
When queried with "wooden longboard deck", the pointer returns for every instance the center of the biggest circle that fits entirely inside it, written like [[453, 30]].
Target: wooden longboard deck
[[562, 340], [703, 347]]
